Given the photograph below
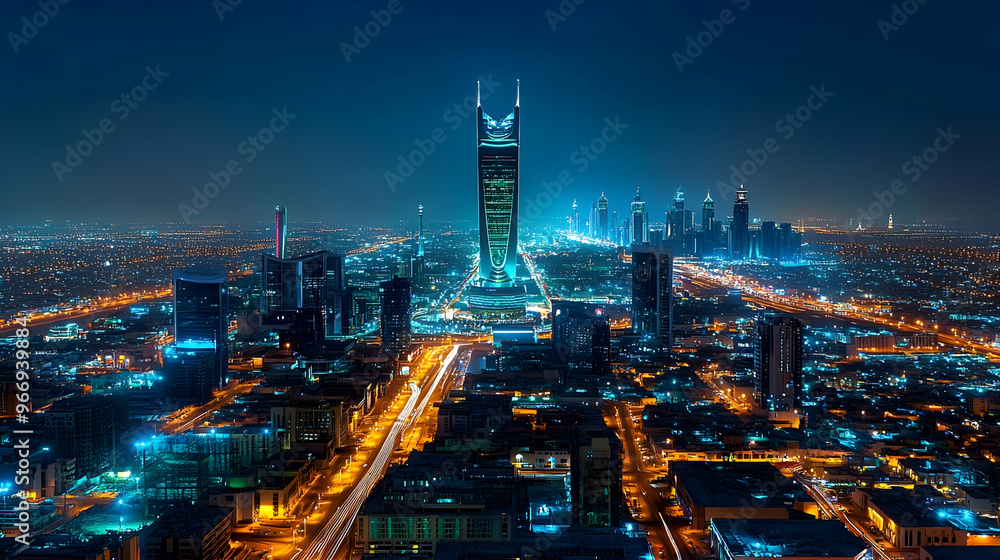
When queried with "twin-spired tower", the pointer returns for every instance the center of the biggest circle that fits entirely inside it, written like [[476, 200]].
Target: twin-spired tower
[[499, 144]]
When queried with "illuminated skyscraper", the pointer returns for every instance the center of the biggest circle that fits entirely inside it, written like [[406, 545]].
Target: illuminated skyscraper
[[499, 142], [201, 317], [312, 284], [280, 231], [640, 221], [739, 231], [602, 218], [581, 335], [575, 218], [417, 262], [420, 231], [708, 214], [778, 362], [653, 292]]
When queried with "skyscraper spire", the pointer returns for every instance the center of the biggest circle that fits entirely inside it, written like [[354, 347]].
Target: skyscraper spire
[[478, 104], [517, 100], [708, 198]]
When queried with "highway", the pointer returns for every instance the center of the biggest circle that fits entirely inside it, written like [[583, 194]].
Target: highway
[[341, 490], [756, 295], [664, 537]]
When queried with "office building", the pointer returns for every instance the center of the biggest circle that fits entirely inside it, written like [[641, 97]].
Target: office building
[[189, 371], [90, 428], [640, 221], [596, 477], [739, 230], [201, 315], [602, 218], [311, 286], [581, 336], [652, 292], [396, 314], [778, 362], [499, 142]]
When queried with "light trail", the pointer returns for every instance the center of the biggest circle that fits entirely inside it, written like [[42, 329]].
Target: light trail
[[328, 542]]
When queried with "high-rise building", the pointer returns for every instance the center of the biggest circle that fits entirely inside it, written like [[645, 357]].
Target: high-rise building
[[602, 218], [201, 315], [189, 371], [578, 335], [420, 230], [613, 232], [739, 231], [708, 238], [280, 231], [653, 293], [778, 362], [890, 221], [499, 142], [770, 241], [640, 221], [596, 477], [575, 219], [312, 283], [708, 214], [395, 327], [417, 262], [90, 428]]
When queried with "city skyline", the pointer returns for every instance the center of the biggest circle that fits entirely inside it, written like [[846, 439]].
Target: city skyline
[[731, 296], [703, 125]]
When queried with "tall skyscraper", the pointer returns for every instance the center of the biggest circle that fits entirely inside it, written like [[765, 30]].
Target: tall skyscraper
[[499, 142], [575, 219], [653, 292], [778, 362], [396, 314], [770, 241], [640, 221], [417, 262], [708, 214], [201, 316], [420, 230], [602, 218], [613, 231], [890, 221], [280, 231], [739, 231]]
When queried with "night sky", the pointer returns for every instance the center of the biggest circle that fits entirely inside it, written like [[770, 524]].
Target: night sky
[[605, 60]]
